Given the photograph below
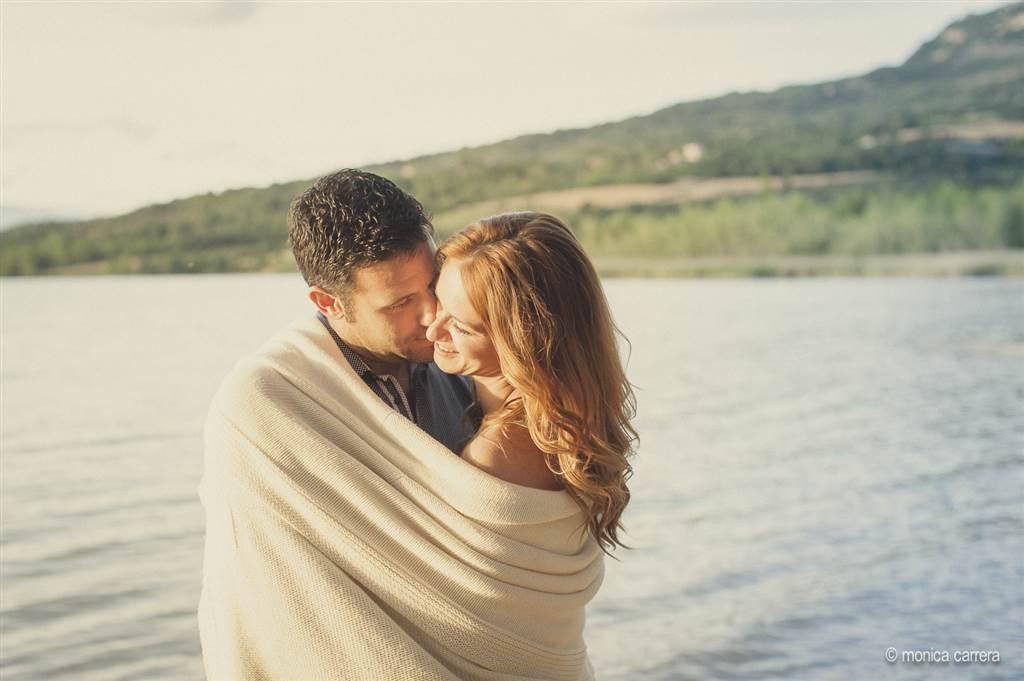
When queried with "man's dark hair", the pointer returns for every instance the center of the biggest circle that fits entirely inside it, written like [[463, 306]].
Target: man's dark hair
[[349, 219]]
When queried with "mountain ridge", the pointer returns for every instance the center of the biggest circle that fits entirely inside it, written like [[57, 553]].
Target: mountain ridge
[[970, 74]]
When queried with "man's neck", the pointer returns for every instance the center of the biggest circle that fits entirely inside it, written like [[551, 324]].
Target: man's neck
[[377, 364], [396, 367], [399, 369]]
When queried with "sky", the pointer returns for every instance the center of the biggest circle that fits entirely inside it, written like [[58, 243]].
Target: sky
[[108, 107]]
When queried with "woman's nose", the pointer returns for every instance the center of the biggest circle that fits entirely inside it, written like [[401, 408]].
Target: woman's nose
[[436, 330], [428, 313]]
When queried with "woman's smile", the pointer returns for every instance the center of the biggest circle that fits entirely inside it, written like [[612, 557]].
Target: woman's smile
[[444, 350]]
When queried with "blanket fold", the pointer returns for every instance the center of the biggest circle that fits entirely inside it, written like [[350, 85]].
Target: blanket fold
[[342, 542]]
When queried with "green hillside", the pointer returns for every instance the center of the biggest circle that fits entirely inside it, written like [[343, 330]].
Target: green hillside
[[938, 142]]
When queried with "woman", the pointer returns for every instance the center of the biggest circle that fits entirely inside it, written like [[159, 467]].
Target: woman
[[521, 310]]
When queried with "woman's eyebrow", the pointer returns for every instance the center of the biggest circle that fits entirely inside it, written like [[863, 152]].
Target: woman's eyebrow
[[468, 326], [457, 320]]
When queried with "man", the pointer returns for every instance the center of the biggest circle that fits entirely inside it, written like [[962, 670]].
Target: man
[[366, 250]]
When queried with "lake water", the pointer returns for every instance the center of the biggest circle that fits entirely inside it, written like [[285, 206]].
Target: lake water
[[828, 468]]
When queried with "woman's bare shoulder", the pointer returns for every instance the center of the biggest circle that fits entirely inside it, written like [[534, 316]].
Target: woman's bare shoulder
[[512, 457]]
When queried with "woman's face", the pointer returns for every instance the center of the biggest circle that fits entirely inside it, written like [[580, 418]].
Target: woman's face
[[461, 344]]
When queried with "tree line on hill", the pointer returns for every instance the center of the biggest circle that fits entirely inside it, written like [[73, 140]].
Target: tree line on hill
[[937, 125]]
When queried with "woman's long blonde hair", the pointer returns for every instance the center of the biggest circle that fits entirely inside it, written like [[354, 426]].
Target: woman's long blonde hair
[[542, 304]]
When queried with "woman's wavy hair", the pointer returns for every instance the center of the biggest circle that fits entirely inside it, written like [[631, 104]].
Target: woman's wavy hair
[[543, 307]]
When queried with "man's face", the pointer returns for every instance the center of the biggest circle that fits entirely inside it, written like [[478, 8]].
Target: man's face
[[391, 305]]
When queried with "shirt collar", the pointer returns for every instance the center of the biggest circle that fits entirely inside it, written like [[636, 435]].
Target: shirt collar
[[355, 360]]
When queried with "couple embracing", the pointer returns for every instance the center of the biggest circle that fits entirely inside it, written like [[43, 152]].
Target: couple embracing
[[420, 479]]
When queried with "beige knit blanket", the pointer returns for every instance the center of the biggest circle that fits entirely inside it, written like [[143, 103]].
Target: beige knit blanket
[[342, 542]]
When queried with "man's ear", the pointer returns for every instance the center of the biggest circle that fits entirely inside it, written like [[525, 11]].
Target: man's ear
[[328, 303]]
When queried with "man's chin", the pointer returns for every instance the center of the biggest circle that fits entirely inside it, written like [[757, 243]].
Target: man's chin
[[421, 354]]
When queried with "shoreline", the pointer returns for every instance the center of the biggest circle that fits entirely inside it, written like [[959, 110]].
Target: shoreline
[[1008, 263], [1004, 263]]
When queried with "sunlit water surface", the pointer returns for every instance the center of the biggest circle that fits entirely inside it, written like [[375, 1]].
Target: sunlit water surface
[[827, 468]]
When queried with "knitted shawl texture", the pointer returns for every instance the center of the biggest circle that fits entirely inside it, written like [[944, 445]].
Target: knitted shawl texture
[[342, 542]]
